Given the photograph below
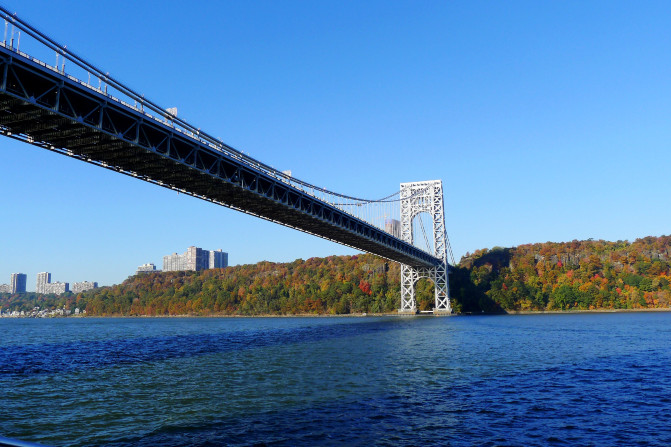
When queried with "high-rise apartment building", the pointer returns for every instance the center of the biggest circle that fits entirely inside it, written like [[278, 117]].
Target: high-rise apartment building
[[195, 259], [218, 259], [393, 227], [43, 278], [83, 286], [57, 288], [44, 285], [174, 262], [18, 282]]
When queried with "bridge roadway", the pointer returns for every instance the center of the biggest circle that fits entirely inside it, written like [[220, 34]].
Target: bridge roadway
[[52, 110]]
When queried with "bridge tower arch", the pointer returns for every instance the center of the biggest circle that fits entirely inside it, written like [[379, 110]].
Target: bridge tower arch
[[416, 198]]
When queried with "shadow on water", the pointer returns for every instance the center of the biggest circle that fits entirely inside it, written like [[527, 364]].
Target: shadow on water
[[61, 358]]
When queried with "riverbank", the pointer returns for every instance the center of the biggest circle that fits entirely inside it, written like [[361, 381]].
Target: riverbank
[[578, 276], [361, 315], [586, 311]]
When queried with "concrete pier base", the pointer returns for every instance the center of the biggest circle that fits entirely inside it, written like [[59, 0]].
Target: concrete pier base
[[442, 312], [407, 311]]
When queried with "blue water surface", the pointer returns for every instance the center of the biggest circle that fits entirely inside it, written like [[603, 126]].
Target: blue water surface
[[568, 379]]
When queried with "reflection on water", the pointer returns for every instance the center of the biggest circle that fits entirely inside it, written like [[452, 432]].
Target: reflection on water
[[601, 379]]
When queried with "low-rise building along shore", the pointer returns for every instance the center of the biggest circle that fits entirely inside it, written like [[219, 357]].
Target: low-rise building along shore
[[42, 313]]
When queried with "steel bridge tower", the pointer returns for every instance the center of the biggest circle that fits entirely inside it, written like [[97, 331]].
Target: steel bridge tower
[[416, 198]]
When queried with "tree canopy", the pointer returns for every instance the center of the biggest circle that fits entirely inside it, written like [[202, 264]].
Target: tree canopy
[[548, 276]]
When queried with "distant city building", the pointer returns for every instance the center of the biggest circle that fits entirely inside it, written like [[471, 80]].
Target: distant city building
[[45, 286], [18, 282], [393, 227], [195, 259], [146, 268], [218, 259], [57, 288], [83, 286], [43, 278]]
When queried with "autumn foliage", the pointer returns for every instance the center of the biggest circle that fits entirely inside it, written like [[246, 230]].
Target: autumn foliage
[[579, 275], [332, 285]]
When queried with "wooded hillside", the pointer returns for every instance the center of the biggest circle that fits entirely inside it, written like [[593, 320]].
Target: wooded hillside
[[548, 276], [573, 275]]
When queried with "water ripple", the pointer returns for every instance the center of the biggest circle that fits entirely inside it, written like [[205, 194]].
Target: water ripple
[[570, 380]]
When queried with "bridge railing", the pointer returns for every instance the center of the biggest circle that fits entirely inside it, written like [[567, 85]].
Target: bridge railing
[[20, 36]]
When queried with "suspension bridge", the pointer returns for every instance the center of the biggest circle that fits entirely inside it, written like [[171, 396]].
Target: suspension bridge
[[73, 108]]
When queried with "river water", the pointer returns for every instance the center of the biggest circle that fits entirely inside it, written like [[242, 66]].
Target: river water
[[569, 379]]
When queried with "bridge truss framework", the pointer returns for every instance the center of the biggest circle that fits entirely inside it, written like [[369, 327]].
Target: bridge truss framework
[[44, 106], [57, 112], [416, 198]]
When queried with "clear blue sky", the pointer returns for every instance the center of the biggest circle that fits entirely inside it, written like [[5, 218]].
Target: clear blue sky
[[546, 121]]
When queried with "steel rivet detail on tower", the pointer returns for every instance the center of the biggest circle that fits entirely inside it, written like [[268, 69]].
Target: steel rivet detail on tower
[[416, 198]]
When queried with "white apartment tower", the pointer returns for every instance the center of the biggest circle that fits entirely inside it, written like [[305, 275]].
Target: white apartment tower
[[195, 259], [44, 285], [83, 286], [43, 278]]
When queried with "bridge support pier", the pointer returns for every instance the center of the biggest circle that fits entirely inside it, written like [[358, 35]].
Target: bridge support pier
[[437, 275], [416, 198]]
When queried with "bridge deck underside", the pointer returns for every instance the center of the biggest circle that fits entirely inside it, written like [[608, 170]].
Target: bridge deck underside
[[49, 110]]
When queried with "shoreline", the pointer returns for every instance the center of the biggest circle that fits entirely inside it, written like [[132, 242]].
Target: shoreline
[[395, 314], [586, 311], [366, 314]]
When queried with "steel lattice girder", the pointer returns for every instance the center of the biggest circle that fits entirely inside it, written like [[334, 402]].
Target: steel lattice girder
[[55, 112], [416, 198]]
